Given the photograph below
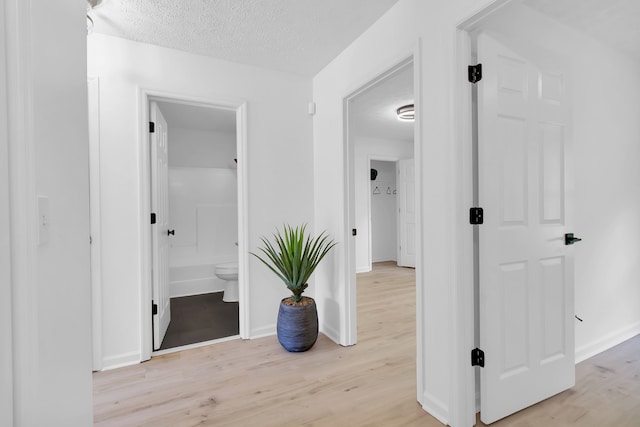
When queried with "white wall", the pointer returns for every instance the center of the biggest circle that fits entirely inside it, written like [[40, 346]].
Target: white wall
[[280, 169], [607, 214], [48, 156], [384, 224], [365, 149], [606, 131], [201, 148]]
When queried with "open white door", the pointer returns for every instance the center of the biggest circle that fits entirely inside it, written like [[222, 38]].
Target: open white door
[[160, 230], [526, 270], [406, 213]]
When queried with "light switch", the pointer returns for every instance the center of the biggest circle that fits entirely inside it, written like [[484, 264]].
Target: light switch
[[43, 220]]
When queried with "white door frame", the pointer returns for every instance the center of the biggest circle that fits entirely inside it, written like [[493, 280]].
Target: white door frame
[[6, 186], [93, 83], [464, 379], [240, 107], [349, 309]]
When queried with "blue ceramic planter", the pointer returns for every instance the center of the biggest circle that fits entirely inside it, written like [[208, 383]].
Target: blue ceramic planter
[[297, 326]]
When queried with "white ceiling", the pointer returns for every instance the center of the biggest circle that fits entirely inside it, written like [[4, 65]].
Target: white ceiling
[[198, 117], [614, 22], [297, 36], [373, 112]]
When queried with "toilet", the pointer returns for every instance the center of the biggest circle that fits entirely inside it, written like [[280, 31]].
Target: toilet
[[229, 272]]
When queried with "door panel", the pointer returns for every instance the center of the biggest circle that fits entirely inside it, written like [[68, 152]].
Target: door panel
[[552, 173], [526, 270], [406, 213], [160, 206]]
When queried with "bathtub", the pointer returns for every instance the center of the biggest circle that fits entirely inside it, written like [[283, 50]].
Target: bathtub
[[194, 280], [203, 210]]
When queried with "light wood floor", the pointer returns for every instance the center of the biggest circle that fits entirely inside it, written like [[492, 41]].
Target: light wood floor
[[606, 394], [257, 383]]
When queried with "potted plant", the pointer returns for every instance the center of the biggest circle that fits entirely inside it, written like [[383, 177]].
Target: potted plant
[[293, 258]]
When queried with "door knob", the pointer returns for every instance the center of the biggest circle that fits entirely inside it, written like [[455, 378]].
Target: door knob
[[171, 232], [570, 240]]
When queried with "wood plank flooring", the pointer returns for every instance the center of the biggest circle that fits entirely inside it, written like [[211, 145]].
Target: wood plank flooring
[[258, 383], [607, 394]]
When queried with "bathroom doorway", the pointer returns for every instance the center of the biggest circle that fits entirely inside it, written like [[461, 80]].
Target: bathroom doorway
[[197, 223]]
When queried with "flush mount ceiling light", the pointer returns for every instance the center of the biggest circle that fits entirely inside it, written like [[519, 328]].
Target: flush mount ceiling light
[[406, 113]]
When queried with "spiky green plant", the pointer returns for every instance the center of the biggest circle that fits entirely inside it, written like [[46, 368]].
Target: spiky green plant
[[294, 256]]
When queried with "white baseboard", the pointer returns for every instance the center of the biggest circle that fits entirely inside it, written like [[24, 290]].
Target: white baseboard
[[265, 331], [435, 407], [120, 361], [331, 333], [384, 260], [605, 343]]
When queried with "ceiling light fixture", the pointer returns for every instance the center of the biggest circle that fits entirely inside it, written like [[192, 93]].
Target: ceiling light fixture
[[406, 113]]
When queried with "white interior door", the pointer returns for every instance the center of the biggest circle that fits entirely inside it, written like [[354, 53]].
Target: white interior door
[[160, 231], [526, 270], [406, 213]]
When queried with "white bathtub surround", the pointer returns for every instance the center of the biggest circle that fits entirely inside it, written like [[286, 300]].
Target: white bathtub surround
[[189, 280], [203, 210]]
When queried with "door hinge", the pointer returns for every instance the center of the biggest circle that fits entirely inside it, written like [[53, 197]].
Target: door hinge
[[154, 308], [152, 127], [477, 357], [153, 218], [475, 73], [476, 216], [354, 232]]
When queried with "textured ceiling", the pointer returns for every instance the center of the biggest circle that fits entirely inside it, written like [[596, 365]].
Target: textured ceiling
[[298, 36], [373, 112], [614, 22]]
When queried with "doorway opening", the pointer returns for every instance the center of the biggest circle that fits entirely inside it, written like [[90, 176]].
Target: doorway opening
[[196, 281], [383, 211], [380, 149], [202, 201]]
